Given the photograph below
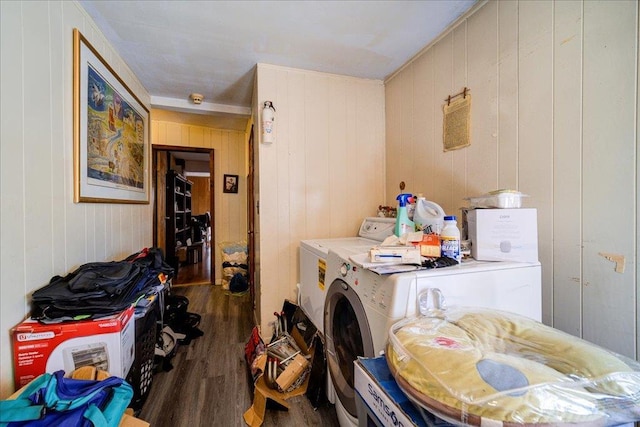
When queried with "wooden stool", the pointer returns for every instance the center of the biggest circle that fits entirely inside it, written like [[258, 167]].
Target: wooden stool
[[196, 247]]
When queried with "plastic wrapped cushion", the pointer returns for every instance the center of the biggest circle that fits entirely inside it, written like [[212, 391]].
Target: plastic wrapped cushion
[[477, 366]]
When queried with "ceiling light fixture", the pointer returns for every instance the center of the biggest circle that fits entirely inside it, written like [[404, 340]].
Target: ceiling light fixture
[[196, 98]]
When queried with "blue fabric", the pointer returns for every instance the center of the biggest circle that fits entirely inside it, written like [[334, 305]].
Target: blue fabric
[[52, 400]]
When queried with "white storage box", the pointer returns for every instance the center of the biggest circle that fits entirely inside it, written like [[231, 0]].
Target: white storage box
[[503, 234]]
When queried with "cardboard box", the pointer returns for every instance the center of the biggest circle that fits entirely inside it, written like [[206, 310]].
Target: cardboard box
[[254, 416], [107, 343], [429, 246], [293, 371], [503, 234], [302, 332]]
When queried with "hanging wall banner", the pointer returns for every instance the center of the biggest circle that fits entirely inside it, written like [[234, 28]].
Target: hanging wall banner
[[457, 122]]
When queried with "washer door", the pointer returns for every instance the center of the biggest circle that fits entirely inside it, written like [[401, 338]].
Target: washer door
[[347, 336]]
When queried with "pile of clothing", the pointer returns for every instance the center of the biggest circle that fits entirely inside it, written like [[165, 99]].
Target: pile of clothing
[[234, 266], [100, 289]]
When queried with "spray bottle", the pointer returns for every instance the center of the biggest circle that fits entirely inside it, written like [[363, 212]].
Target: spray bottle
[[403, 223]]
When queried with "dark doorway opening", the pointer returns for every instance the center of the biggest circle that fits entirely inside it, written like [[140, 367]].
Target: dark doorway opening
[[192, 256]]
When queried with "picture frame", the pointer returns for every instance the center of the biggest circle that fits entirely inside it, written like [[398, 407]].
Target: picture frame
[[110, 132], [230, 183]]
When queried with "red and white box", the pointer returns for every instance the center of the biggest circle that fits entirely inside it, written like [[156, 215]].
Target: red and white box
[[107, 343]]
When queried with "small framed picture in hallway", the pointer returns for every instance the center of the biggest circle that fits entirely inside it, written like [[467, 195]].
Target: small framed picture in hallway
[[230, 183]]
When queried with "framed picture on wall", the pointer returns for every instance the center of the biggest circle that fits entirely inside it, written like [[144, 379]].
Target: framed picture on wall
[[230, 183], [110, 132]]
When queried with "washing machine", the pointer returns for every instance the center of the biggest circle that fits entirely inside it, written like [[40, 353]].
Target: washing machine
[[361, 306], [313, 257]]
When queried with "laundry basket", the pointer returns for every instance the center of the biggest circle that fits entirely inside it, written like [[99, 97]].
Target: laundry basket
[[140, 375]]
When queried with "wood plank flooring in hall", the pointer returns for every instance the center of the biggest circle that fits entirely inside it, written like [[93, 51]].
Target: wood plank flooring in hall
[[208, 385]]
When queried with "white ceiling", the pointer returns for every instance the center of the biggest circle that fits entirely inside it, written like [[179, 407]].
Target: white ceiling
[[211, 47]]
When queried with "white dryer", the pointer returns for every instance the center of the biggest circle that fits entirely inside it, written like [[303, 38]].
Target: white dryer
[[361, 306], [313, 257]]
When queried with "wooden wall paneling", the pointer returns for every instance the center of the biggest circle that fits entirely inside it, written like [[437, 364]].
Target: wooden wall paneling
[[422, 125], [406, 146], [393, 130], [339, 148], [74, 218], [14, 288], [185, 135], [368, 133], [610, 49], [158, 132], [432, 109], [357, 140], [216, 215], [637, 189], [235, 211], [507, 95], [36, 155], [206, 138], [100, 233], [90, 242], [460, 158], [443, 87], [196, 136], [317, 136], [286, 278], [269, 252], [174, 134], [59, 188], [326, 145], [200, 195], [535, 129], [295, 131], [482, 162], [567, 168], [223, 206]]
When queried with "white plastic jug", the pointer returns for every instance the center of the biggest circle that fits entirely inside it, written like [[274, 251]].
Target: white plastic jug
[[428, 216]]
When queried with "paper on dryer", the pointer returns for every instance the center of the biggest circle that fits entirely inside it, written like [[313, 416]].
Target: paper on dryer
[[382, 268], [395, 255], [362, 260], [395, 268]]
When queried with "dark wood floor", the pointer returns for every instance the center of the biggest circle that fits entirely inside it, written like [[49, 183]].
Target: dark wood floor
[[208, 385], [198, 273]]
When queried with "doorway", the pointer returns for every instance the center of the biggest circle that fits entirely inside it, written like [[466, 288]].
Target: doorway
[[191, 252]]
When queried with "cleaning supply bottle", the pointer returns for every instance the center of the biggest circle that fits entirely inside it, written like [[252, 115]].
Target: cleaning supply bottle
[[403, 223], [428, 217], [450, 238]]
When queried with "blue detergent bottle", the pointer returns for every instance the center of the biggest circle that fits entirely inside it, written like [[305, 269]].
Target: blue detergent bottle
[[403, 223]]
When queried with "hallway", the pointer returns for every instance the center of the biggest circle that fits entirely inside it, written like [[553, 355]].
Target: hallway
[[199, 273], [208, 385]]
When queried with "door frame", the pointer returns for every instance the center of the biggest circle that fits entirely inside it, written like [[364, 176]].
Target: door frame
[[166, 148], [251, 219]]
